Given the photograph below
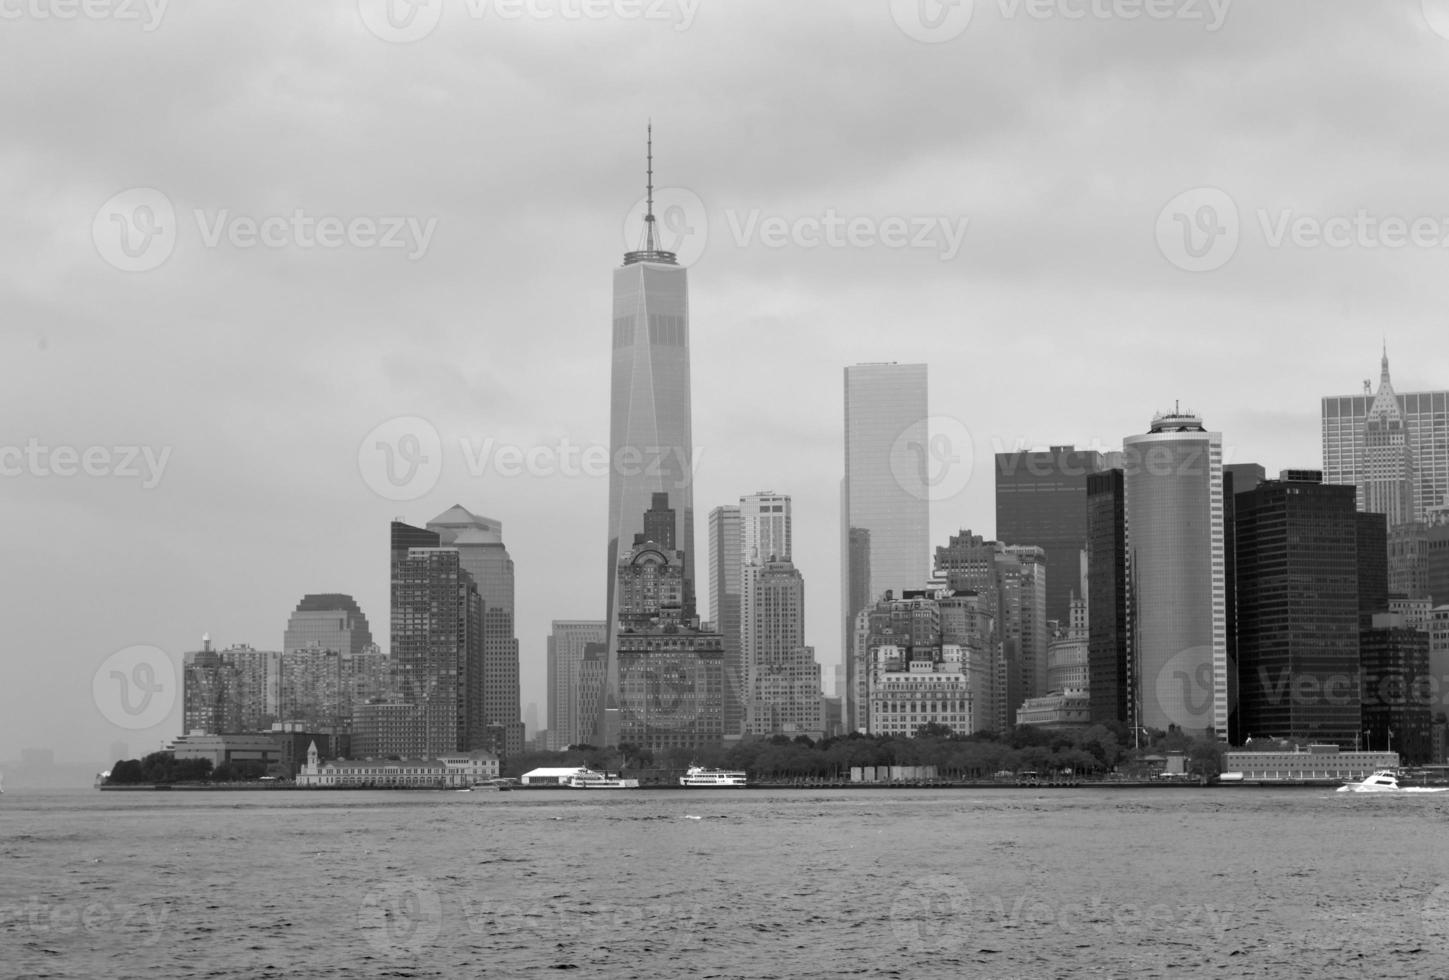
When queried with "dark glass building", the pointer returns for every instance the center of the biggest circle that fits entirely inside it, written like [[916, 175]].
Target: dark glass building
[[1109, 642], [1297, 610], [1041, 499], [1396, 689], [1373, 567]]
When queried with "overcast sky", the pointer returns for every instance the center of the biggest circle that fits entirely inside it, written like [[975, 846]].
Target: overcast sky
[[1229, 205]]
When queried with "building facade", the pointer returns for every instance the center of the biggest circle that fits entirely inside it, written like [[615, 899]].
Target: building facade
[[1397, 689], [911, 687], [1110, 661], [1173, 485], [229, 691], [1413, 430], [671, 673], [1297, 608], [461, 770], [568, 641], [1012, 579], [327, 621], [437, 645], [724, 607], [494, 690], [1041, 500], [885, 500]]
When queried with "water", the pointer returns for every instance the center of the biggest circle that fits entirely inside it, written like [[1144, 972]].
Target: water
[[961, 883]]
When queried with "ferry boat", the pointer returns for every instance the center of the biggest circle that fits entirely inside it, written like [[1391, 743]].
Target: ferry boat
[[697, 777], [1387, 781], [589, 779]]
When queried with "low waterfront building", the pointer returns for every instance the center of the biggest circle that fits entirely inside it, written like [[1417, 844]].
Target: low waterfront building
[[1319, 762], [261, 748], [550, 775], [1059, 709], [449, 771]]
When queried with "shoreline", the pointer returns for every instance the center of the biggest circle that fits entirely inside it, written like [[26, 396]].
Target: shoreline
[[1109, 785]]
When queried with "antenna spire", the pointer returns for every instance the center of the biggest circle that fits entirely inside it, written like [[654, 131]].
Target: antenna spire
[[649, 193]]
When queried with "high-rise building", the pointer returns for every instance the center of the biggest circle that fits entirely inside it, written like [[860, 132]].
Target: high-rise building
[[230, 691], [437, 646], [671, 674], [765, 527], [1297, 601], [1373, 567], [650, 429], [327, 657], [911, 625], [782, 676], [885, 507], [327, 621], [1041, 500], [1371, 440], [1110, 663], [567, 645], [495, 687], [724, 607], [1173, 482], [1397, 713], [1013, 579], [1388, 458]]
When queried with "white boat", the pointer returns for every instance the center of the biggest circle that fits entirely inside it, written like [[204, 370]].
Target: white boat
[[697, 777], [589, 779], [1387, 781]]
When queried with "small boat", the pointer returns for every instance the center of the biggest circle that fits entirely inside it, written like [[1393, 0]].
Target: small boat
[[698, 777], [590, 779], [1387, 781]]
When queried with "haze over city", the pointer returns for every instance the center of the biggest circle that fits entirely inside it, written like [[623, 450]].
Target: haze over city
[[1016, 205]]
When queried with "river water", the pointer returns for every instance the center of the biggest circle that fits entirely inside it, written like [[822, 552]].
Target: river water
[[1000, 883]]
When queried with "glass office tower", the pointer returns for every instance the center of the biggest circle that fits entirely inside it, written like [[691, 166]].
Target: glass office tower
[[885, 513]]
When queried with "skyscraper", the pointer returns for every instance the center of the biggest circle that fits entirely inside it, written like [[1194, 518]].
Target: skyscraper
[[1110, 663], [1173, 481], [1388, 457], [567, 644], [495, 694], [1297, 600], [650, 430], [1012, 579], [437, 646], [1041, 499], [1407, 428], [329, 621], [885, 506], [671, 674], [724, 607]]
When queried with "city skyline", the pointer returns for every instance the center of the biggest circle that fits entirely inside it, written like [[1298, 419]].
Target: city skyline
[[253, 376]]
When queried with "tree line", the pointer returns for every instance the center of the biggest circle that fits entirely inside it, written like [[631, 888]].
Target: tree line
[[1091, 751]]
